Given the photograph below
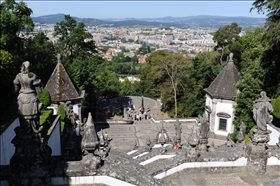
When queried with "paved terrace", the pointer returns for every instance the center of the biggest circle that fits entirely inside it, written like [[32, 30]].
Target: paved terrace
[[126, 136]]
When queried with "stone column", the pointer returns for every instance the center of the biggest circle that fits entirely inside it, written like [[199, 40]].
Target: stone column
[[256, 152], [30, 162]]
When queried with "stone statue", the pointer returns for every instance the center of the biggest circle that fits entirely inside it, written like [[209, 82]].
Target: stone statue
[[162, 136], [135, 146], [71, 115], [103, 148], [261, 110], [241, 135], [256, 151], [178, 129], [149, 144], [193, 141], [27, 85], [30, 163], [203, 132], [71, 149], [204, 126]]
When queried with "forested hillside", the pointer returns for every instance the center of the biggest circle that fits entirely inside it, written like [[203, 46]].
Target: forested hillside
[[174, 77]]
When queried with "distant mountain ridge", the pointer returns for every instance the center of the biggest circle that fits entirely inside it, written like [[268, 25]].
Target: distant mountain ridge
[[180, 22]]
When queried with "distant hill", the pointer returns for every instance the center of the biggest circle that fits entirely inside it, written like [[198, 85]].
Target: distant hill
[[180, 22], [54, 18]]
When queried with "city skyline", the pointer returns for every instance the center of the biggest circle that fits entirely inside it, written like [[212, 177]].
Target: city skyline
[[142, 9]]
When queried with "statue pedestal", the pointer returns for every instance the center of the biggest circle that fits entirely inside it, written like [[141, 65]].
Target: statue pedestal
[[30, 162], [92, 162], [256, 152], [202, 146], [192, 153], [257, 159]]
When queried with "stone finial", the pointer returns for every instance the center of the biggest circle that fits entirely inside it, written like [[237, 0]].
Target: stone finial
[[89, 141], [241, 135], [58, 58], [230, 57]]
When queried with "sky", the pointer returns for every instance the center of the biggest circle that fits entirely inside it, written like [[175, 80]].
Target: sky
[[141, 9]]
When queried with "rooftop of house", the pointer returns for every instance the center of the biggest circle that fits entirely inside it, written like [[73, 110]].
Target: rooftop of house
[[223, 85], [61, 86]]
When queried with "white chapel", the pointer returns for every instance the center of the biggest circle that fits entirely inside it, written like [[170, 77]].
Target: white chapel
[[220, 100]]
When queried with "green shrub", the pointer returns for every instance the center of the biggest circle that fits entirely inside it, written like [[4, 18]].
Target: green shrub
[[45, 117], [276, 107], [234, 135], [247, 139], [62, 113], [45, 98]]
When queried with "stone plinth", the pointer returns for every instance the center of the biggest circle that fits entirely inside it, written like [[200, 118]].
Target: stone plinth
[[30, 163]]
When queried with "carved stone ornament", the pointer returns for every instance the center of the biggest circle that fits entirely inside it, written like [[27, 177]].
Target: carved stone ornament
[[208, 109], [223, 115], [89, 144]]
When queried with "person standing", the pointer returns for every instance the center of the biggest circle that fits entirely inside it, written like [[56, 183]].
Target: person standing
[[145, 115]]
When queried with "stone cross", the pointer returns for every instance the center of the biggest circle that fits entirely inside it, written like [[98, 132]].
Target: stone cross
[[58, 58]]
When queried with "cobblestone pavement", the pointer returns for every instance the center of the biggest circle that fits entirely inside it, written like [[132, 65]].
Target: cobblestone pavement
[[270, 178]]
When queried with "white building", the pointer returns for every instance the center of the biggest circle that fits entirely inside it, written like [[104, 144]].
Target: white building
[[62, 88], [220, 100]]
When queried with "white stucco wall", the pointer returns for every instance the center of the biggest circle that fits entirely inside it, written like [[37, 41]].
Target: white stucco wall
[[217, 106], [226, 107], [7, 149], [274, 135], [208, 103], [54, 141], [77, 110]]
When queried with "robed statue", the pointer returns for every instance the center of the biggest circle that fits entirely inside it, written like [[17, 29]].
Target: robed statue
[[27, 85], [262, 107]]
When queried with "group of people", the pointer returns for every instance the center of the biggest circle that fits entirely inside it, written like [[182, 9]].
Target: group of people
[[142, 114], [229, 143], [139, 116]]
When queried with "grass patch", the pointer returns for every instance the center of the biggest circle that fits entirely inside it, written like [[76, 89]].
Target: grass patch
[[45, 117]]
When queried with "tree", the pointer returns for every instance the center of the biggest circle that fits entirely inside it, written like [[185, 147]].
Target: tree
[[226, 36], [276, 111], [73, 38], [252, 76], [7, 69], [173, 66], [271, 8], [126, 88], [41, 53], [203, 70], [93, 75], [84, 71], [107, 83], [15, 18], [271, 57]]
